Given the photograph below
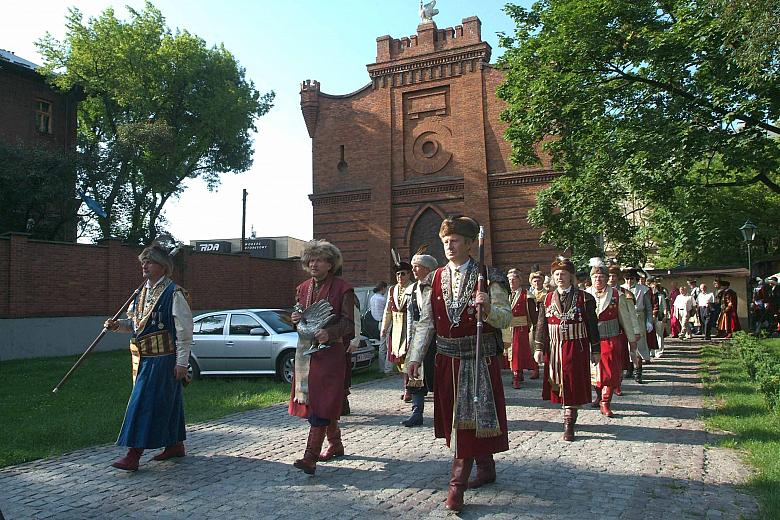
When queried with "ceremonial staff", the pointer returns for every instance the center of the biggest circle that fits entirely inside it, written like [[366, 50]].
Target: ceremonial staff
[[480, 288], [98, 338]]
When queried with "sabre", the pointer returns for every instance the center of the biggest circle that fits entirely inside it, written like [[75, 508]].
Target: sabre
[[97, 339], [480, 286]]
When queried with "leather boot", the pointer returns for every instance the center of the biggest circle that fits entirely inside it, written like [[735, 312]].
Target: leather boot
[[535, 373], [459, 481], [177, 450], [606, 399], [638, 375], [345, 406], [515, 381], [418, 406], [130, 461], [486, 471], [308, 464], [335, 447], [596, 400], [569, 419]]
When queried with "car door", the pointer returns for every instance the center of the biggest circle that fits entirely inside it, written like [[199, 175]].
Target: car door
[[208, 344], [246, 351]]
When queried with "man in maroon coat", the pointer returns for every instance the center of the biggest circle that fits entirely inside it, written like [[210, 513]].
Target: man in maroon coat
[[471, 419], [567, 331], [318, 385]]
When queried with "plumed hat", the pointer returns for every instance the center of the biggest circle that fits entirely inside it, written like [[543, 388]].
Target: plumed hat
[[398, 264], [597, 266], [159, 255], [420, 258], [564, 264], [465, 226]]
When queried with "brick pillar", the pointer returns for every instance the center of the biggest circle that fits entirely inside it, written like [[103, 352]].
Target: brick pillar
[[18, 275]]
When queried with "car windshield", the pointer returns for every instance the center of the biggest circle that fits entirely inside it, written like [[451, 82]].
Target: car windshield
[[279, 321]]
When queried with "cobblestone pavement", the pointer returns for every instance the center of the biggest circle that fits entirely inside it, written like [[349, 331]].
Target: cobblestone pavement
[[651, 461]]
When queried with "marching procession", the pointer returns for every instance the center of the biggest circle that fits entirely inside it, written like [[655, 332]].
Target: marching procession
[[449, 331]]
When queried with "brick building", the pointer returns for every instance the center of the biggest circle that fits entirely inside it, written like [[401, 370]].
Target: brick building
[[420, 142], [38, 128]]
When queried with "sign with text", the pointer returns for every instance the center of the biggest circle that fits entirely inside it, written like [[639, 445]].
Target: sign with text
[[263, 247], [217, 246]]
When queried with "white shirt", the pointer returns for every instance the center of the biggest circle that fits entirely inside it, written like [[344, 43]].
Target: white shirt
[[377, 304], [704, 298], [683, 303]]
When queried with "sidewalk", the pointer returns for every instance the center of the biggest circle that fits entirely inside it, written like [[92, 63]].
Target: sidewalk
[[649, 462]]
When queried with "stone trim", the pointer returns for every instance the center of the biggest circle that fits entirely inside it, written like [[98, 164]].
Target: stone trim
[[327, 199]]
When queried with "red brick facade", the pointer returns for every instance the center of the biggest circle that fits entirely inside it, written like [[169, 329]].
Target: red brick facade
[[421, 141], [40, 278]]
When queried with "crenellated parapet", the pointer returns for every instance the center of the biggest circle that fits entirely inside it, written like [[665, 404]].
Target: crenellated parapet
[[310, 104], [432, 53]]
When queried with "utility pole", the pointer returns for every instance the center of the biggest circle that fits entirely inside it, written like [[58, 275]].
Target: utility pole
[[243, 223]]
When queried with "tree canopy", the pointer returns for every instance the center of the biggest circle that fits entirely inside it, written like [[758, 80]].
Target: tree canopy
[[649, 109], [160, 107]]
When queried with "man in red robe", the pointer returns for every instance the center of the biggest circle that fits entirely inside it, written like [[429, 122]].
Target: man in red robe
[[615, 324], [524, 315], [318, 385], [567, 331], [728, 321], [471, 417]]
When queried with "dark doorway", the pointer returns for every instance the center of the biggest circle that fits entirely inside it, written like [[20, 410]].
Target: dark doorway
[[426, 231]]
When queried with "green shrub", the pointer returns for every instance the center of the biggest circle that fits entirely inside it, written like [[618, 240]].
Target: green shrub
[[761, 365]]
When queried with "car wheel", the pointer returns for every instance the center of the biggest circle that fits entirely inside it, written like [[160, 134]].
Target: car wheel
[[193, 370], [285, 367]]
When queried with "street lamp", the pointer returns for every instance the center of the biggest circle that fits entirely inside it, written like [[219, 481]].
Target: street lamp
[[748, 230]]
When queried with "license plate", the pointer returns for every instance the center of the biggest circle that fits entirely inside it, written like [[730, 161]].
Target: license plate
[[365, 356]]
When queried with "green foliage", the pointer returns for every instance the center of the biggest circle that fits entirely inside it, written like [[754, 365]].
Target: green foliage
[[762, 366], [632, 100], [38, 188], [160, 107]]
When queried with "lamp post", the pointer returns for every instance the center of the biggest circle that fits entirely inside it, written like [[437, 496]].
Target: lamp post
[[748, 230]]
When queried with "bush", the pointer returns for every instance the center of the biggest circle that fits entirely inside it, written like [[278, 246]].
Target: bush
[[762, 366]]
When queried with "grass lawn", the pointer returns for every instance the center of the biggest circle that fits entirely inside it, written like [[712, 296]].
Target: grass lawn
[[89, 408], [735, 405]]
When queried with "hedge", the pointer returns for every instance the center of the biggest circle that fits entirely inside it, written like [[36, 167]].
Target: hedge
[[762, 366]]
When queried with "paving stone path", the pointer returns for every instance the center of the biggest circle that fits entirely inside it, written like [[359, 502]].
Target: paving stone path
[[651, 461]]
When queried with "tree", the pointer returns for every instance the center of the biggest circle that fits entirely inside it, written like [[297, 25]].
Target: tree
[[638, 102], [37, 195], [160, 108]]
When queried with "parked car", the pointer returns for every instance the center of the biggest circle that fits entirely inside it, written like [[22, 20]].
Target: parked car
[[251, 342]]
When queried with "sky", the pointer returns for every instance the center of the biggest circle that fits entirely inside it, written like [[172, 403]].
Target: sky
[[279, 44]]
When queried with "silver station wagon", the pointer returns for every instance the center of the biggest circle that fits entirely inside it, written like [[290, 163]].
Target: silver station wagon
[[252, 342]]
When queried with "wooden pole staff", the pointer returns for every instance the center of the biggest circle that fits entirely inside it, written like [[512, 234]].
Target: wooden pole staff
[[480, 288]]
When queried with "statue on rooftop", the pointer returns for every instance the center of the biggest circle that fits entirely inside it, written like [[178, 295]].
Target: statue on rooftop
[[427, 11]]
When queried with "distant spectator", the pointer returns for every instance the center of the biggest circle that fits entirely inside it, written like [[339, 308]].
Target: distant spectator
[[693, 292], [674, 325], [376, 305], [705, 301], [683, 310], [773, 305]]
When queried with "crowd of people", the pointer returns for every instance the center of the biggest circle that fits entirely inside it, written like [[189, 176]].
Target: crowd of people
[[765, 306], [448, 330]]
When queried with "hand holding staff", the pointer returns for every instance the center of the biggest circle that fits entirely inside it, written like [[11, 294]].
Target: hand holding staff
[[98, 338], [480, 288]]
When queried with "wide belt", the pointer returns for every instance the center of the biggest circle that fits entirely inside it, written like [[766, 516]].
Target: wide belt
[[519, 321], [467, 345], [609, 328], [154, 344]]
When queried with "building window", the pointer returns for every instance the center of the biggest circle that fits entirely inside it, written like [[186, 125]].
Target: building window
[[43, 116]]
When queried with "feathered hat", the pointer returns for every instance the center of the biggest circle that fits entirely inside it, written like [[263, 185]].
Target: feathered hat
[[597, 266], [420, 258], [398, 264], [561, 263]]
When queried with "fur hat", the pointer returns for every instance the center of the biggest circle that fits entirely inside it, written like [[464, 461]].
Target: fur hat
[[465, 226], [321, 249], [535, 274], [564, 264], [513, 273], [630, 273], [156, 253], [426, 261]]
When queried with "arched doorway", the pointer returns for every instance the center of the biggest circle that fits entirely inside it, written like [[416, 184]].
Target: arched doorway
[[426, 231]]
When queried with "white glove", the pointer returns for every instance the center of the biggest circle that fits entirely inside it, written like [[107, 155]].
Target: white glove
[[649, 327], [538, 357]]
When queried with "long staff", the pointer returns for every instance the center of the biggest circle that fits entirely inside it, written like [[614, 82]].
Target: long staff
[[480, 288], [97, 339]]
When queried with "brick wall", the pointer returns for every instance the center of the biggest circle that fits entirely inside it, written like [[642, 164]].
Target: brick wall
[[39, 279]]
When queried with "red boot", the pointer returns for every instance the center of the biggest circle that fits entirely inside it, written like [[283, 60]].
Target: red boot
[[606, 399], [597, 399], [335, 447], [177, 450], [308, 464], [569, 420], [130, 461], [486, 471], [515, 381], [459, 481]]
